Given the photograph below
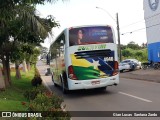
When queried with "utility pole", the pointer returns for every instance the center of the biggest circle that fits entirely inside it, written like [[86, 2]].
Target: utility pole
[[118, 32], [119, 43]]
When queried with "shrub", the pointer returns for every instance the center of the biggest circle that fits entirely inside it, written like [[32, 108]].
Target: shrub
[[40, 103], [40, 99], [32, 94], [140, 55], [37, 79], [127, 52], [50, 105], [56, 101]]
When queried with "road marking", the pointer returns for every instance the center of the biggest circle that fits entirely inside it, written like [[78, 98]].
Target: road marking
[[135, 97]]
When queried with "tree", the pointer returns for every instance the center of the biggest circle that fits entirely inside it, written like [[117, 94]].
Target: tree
[[17, 57], [123, 47], [34, 56], [144, 45], [127, 52], [2, 85], [28, 52], [133, 45], [43, 51], [21, 12]]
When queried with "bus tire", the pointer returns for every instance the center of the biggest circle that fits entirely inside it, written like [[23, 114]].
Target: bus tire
[[55, 84], [53, 81], [64, 90]]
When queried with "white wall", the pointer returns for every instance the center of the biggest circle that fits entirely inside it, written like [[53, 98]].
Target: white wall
[[152, 20]]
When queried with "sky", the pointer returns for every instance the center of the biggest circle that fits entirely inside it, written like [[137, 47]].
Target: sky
[[84, 12]]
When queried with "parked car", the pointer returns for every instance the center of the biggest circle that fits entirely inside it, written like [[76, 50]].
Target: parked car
[[134, 63], [124, 66]]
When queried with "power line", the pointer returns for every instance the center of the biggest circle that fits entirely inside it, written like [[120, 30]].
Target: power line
[[132, 31], [140, 21], [141, 29], [132, 24]]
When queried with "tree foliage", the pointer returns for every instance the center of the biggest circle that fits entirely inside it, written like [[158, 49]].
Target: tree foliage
[[127, 52], [133, 50], [133, 45], [20, 24]]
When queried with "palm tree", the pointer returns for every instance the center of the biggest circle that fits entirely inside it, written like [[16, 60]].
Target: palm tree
[[18, 19]]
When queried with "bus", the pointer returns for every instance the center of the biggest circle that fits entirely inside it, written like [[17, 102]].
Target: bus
[[84, 57]]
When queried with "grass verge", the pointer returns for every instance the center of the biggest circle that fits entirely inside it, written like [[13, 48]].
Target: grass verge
[[11, 99]]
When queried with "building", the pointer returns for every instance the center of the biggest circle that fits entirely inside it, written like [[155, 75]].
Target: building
[[152, 21]]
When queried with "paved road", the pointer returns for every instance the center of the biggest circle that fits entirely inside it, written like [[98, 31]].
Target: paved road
[[129, 95]]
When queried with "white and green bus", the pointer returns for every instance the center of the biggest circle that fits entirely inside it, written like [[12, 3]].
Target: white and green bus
[[85, 57]]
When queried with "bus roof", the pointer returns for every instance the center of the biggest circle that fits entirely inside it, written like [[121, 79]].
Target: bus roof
[[68, 28], [87, 26]]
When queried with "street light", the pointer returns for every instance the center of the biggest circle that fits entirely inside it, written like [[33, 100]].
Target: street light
[[118, 31]]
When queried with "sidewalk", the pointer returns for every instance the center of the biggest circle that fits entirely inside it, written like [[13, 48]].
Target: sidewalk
[[47, 81], [147, 75]]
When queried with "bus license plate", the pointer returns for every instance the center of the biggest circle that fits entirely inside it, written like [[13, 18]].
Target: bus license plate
[[95, 82]]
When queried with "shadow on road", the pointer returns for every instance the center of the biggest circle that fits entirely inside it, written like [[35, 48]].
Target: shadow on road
[[82, 93]]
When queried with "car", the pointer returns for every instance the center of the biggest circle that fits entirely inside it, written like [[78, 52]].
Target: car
[[124, 66], [134, 63]]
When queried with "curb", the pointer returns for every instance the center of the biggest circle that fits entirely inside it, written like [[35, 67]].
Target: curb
[[44, 83], [141, 77]]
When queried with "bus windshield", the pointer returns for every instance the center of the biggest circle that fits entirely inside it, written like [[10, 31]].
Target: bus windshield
[[90, 35]]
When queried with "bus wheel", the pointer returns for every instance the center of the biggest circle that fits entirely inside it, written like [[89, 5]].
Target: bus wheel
[[64, 90], [54, 82]]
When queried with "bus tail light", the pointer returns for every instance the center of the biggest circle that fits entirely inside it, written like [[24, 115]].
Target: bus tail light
[[71, 74], [115, 72]]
